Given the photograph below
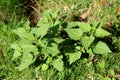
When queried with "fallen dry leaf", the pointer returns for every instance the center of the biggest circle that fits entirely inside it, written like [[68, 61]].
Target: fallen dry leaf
[[105, 2], [118, 10], [86, 13]]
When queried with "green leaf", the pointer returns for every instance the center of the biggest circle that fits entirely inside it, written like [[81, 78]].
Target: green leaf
[[101, 32], [44, 67], [46, 16], [58, 64], [71, 25], [101, 64], [53, 50], [87, 41], [26, 60], [85, 27], [41, 43], [54, 15], [111, 71], [16, 47], [27, 26], [41, 31], [89, 51], [16, 54], [21, 32], [101, 48], [36, 32], [74, 34], [17, 51], [27, 48], [58, 40], [49, 59], [24, 41], [74, 57], [96, 24]]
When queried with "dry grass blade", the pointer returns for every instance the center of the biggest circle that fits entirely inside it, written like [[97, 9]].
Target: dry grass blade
[[66, 9], [105, 3]]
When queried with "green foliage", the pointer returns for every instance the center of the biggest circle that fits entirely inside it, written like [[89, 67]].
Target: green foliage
[[74, 57], [101, 33], [58, 64], [44, 67], [45, 40], [101, 48], [58, 48], [85, 27], [74, 34], [87, 41]]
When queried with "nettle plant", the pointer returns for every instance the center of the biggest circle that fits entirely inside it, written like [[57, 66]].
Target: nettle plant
[[57, 43]]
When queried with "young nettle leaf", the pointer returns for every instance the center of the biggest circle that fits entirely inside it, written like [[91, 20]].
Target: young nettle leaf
[[49, 60], [87, 41], [41, 31], [27, 48], [44, 67], [58, 40], [54, 15], [89, 51], [95, 25], [53, 50], [101, 33], [24, 41], [27, 26], [17, 51], [26, 60], [101, 64], [21, 32], [36, 32], [16, 54], [46, 16], [74, 57], [101, 48], [58, 64], [85, 27], [71, 25], [15, 46], [74, 34], [41, 43]]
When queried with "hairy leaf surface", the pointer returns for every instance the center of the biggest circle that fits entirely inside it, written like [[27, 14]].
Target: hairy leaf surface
[[74, 57], [101, 48], [58, 64], [101, 33], [74, 34]]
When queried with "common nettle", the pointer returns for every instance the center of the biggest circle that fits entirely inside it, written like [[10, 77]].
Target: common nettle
[[45, 44]]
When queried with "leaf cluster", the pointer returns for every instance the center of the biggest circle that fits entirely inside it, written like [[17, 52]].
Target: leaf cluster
[[57, 43]]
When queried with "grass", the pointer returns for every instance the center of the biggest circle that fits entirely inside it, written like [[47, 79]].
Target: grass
[[11, 18]]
